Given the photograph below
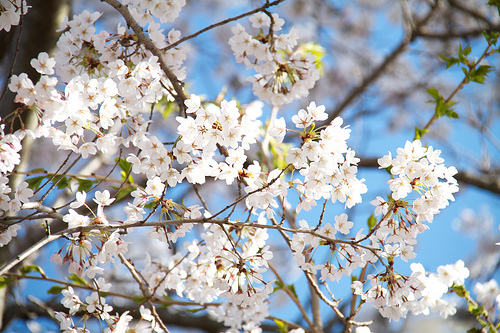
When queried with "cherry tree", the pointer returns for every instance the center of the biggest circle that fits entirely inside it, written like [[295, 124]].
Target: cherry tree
[[162, 204]]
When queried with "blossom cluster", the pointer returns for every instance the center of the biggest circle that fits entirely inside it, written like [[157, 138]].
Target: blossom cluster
[[419, 170], [488, 295], [220, 266], [282, 74], [10, 145], [326, 165], [96, 305], [395, 295], [10, 13], [144, 10]]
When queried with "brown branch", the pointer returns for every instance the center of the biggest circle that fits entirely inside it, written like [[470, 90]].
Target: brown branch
[[374, 75], [294, 298], [469, 11], [54, 236], [180, 97], [459, 34], [144, 289], [218, 24]]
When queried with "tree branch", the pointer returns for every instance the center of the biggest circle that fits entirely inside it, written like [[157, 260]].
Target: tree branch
[[218, 24], [374, 75], [180, 97]]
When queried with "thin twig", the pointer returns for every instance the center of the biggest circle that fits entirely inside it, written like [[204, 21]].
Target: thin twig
[[144, 289], [293, 298], [459, 87], [218, 24]]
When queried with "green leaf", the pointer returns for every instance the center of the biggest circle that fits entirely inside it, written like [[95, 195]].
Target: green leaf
[[474, 330], [38, 170], [318, 51], [63, 183], [195, 310], [449, 61], [292, 289], [452, 114], [434, 93], [460, 53], [491, 37], [440, 108], [463, 53], [125, 166], [55, 290], [139, 299], [282, 327], [460, 290], [372, 221], [35, 182], [32, 268], [150, 205], [419, 132], [124, 175], [495, 3], [467, 50], [476, 310], [165, 107], [279, 286], [478, 75], [77, 280], [4, 281], [84, 184], [124, 191]]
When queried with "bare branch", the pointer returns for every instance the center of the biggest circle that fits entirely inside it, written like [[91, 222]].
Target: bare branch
[[223, 22], [374, 75]]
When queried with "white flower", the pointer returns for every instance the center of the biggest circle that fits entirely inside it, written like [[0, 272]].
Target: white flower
[[98, 304], [43, 65], [278, 129], [317, 113], [193, 104], [260, 20], [302, 119], [70, 300], [342, 225], [88, 148], [103, 198], [81, 197], [23, 193], [155, 187]]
